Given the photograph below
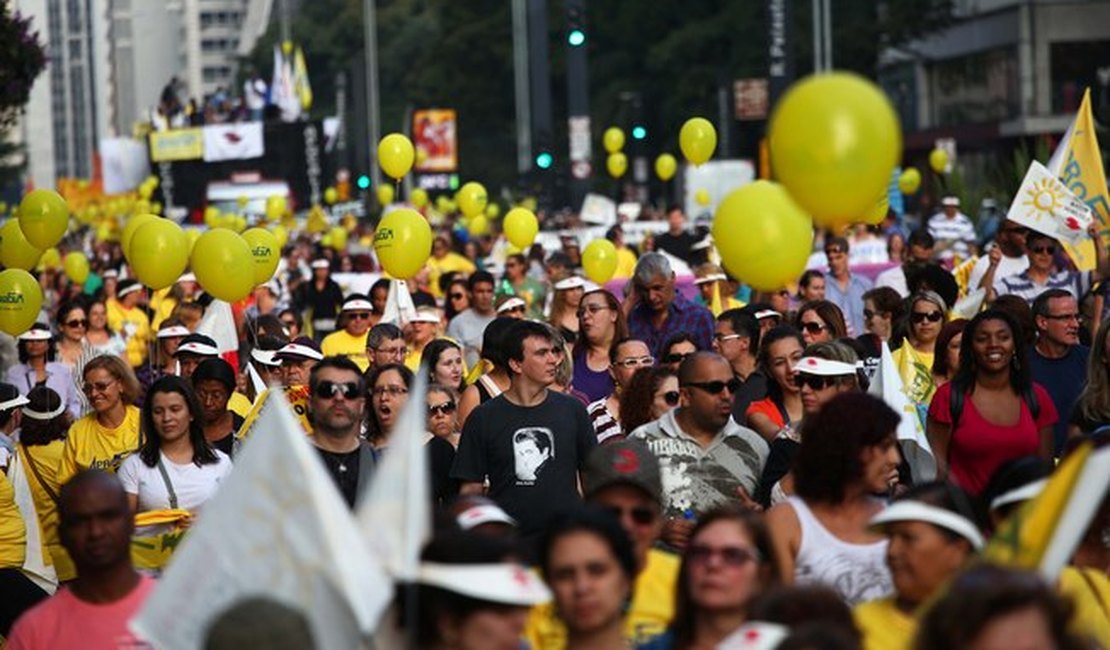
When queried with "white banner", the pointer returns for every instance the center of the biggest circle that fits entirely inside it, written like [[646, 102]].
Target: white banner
[[1045, 204], [237, 141]]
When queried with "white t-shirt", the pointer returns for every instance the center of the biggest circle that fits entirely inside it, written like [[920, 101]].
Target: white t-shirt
[[1007, 266], [193, 485]]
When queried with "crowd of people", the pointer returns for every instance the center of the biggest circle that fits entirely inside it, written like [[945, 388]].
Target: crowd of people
[[684, 462]]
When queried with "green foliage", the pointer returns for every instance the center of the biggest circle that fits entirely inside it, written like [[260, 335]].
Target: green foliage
[[21, 60]]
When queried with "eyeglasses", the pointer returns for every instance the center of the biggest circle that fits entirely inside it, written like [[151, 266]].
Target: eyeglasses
[[332, 389], [635, 362], [392, 352], [442, 409], [676, 357], [715, 387], [813, 328], [1043, 250], [671, 397], [641, 516], [97, 386], [734, 556], [360, 315], [1064, 317], [814, 382], [721, 338], [77, 323], [591, 309], [392, 391], [458, 296], [921, 317]]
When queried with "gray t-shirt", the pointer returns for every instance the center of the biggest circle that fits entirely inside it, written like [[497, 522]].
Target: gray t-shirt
[[467, 328]]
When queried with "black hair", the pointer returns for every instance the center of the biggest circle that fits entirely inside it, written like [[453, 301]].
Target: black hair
[[34, 432], [921, 237], [589, 518], [215, 369], [339, 363], [151, 445], [675, 339], [8, 392], [614, 349], [518, 332], [744, 324], [493, 341], [477, 277], [1020, 380], [433, 351], [21, 345]]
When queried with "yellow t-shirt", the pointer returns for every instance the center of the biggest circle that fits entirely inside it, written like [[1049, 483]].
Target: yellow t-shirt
[[90, 445], [134, 326], [649, 614], [1090, 591], [884, 626], [239, 404], [45, 459], [13, 535], [162, 305], [413, 359], [298, 400], [450, 262], [340, 343]]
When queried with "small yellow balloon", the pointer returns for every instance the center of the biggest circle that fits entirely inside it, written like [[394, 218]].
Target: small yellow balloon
[[223, 264], [43, 217], [330, 195], [159, 253], [266, 252], [777, 235], [338, 235], [146, 191], [395, 155], [472, 199], [910, 181], [281, 233], [698, 140], [702, 197], [938, 160], [493, 211], [521, 227], [211, 216], [665, 167], [242, 201], [275, 207], [385, 194], [76, 267], [15, 251], [613, 139], [133, 224], [599, 260], [403, 242], [419, 198], [478, 225], [51, 259], [617, 164], [20, 301]]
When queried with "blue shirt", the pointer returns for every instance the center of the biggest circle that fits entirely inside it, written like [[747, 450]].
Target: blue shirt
[[1063, 379], [849, 300], [682, 316]]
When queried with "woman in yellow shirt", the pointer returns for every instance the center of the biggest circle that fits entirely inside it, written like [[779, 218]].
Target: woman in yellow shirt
[[103, 438]]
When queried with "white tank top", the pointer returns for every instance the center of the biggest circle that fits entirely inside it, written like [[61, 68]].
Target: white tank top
[[857, 572]]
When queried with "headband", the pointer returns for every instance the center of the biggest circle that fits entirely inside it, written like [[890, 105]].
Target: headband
[[1016, 495], [126, 290], [918, 511], [18, 400], [39, 415]]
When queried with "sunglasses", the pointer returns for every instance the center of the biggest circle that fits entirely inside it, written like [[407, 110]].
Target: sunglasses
[[814, 382], [867, 313], [97, 386], [671, 397], [361, 315], [813, 328], [1043, 250], [77, 323], [332, 389], [733, 556], [635, 362], [676, 357], [442, 409], [921, 317], [458, 296], [641, 516], [715, 387]]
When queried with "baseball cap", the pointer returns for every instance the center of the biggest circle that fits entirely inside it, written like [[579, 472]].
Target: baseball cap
[[198, 344], [508, 583], [172, 331], [357, 302], [38, 332], [483, 513], [299, 349], [510, 304], [824, 367], [425, 315], [627, 462], [950, 201]]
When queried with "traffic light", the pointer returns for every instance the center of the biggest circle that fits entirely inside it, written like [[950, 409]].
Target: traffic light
[[363, 182], [576, 37], [544, 160], [576, 24], [639, 132]]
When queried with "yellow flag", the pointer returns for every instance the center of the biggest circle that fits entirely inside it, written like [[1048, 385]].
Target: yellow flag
[[715, 306], [1077, 162], [300, 79]]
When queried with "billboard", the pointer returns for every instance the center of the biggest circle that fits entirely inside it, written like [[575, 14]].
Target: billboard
[[435, 136]]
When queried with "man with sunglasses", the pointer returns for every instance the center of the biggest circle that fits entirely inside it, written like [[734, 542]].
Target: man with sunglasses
[[844, 288], [336, 402], [1042, 273], [707, 459], [1005, 258], [350, 339], [656, 311]]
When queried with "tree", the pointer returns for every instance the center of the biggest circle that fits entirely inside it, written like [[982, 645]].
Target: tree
[[22, 59]]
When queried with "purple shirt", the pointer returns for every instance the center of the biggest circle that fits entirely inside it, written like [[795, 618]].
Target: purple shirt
[[595, 385], [682, 316]]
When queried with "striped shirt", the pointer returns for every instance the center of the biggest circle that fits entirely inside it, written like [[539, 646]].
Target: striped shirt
[[605, 424], [958, 231], [1077, 283]]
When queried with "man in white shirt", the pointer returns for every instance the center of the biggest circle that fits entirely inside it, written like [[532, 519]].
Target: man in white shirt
[[953, 230], [1010, 240], [920, 252]]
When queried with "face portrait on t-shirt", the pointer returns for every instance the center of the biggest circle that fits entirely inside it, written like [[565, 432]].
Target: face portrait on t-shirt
[[532, 448]]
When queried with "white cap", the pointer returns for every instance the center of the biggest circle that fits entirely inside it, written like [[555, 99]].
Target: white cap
[[43, 415], [510, 304], [424, 315], [573, 282], [188, 277], [484, 513], [36, 334], [110, 273], [712, 277], [18, 400], [910, 510], [824, 367], [197, 348], [298, 350], [756, 635], [703, 244], [767, 313], [506, 583], [1017, 495], [265, 357], [357, 304], [172, 331], [953, 201], [320, 264]]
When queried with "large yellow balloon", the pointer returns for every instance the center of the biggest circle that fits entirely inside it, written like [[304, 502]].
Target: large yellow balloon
[[395, 155], [15, 251], [834, 141], [698, 140], [613, 139], [223, 264], [472, 199], [938, 160], [159, 253], [43, 217], [266, 252], [20, 301], [385, 194], [521, 227], [599, 260], [133, 225], [777, 235], [910, 181], [419, 198], [665, 167], [403, 242], [76, 266], [617, 164]]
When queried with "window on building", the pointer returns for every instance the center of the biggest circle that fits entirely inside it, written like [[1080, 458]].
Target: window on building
[[1074, 67], [976, 89]]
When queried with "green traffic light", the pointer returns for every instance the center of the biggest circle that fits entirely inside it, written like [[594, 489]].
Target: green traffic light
[[576, 37], [639, 132], [544, 160], [363, 182]]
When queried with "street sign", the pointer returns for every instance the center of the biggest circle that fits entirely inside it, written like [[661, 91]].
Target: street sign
[[579, 135], [751, 98]]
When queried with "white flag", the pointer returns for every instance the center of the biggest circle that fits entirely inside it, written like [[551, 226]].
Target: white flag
[[277, 528], [236, 141], [395, 515], [36, 566], [1046, 205], [887, 385], [219, 324], [399, 308]]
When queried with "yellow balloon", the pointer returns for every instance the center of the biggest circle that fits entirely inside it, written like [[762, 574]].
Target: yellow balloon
[[211, 216], [133, 224], [242, 201], [223, 264], [145, 191], [910, 181], [478, 225], [698, 140], [702, 197], [777, 235], [834, 140], [20, 301], [878, 212], [103, 233], [76, 266], [159, 253], [472, 199], [599, 260], [403, 242], [331, 195], [43, 217], [617, 164], [338, 235], [419, 198], [275, 207], [281, 234], [156, 207], [443, 204], [665, 167], [395, 155], [938, 160], [51, 259], [613, 139], [521, 227], [493, 211], [385, 194], [15, 251], [266, 252], [325, 241]]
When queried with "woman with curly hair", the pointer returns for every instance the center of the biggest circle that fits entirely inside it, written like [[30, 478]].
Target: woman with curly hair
[[651, 392]]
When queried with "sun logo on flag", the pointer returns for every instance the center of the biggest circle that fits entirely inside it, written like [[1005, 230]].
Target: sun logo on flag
[[1042, 197]]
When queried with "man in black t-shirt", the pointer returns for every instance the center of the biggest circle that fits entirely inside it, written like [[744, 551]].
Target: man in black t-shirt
[[676, 241], [336, 404], [529, 441]]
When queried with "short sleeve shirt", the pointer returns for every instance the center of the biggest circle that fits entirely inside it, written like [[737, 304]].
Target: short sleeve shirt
[[683, 316]]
